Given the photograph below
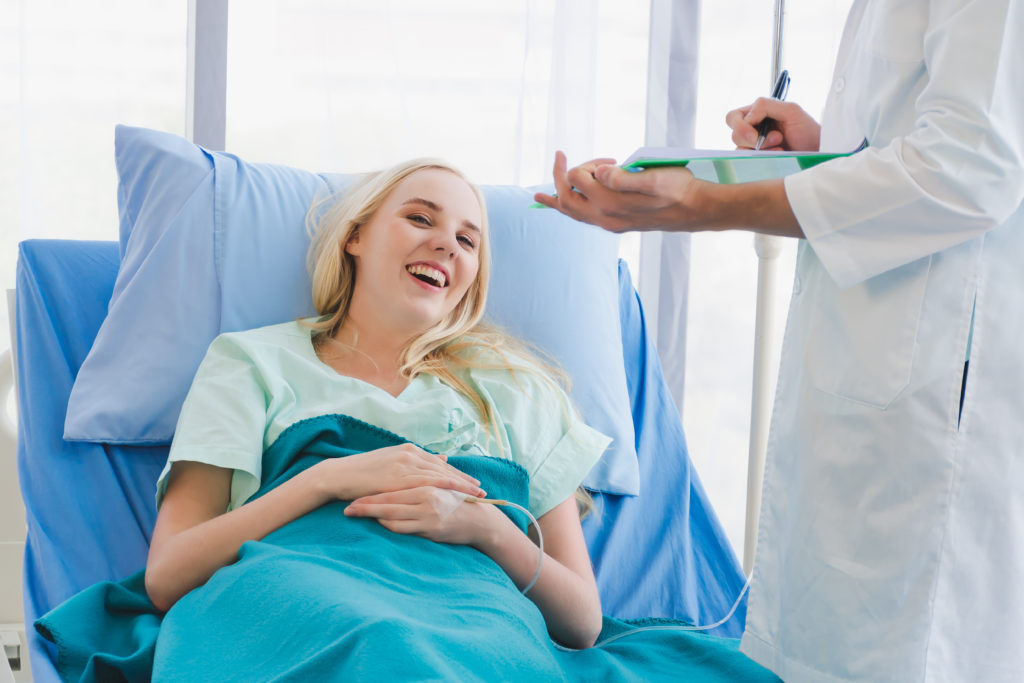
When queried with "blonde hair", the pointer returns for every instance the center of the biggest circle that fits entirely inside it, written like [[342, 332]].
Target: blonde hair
[[458, 342]]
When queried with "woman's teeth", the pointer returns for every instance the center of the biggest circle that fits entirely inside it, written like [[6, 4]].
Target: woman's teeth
[[428, 274]]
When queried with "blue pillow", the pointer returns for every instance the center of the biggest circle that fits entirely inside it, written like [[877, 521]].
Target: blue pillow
[[211, 243]]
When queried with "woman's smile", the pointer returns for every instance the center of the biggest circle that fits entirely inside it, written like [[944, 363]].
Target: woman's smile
[[431, 276]]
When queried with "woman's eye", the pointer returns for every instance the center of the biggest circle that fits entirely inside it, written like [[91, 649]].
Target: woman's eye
[[467, 241], [419, 218]]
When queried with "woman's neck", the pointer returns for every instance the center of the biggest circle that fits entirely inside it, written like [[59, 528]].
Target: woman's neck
[[367, 354]]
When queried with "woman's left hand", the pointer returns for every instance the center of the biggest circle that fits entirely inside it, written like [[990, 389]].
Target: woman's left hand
[[439, 514]]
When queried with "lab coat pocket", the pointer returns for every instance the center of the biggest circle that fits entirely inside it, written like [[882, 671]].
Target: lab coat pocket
[[861, 340]]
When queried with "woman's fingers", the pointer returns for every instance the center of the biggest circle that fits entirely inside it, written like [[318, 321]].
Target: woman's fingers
[[421, 503], [437, 465], [451, 477], [445, 480], [435, 513]]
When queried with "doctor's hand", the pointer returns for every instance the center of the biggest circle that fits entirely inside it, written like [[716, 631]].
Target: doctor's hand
[[603, 194], [435, 513], [394, 468], [793, 128]]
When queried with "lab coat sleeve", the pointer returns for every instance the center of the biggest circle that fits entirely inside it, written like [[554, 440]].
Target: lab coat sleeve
[[956, 173]]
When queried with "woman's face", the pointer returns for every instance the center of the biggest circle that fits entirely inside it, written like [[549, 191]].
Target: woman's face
[[420, 252]]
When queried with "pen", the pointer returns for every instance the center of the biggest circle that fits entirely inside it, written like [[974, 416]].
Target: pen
[[778, 93]]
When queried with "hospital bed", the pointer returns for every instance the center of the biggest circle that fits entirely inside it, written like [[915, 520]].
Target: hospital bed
[[90, 504]]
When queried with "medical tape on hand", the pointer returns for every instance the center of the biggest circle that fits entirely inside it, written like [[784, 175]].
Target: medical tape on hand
[[445, 505], [445, 501]]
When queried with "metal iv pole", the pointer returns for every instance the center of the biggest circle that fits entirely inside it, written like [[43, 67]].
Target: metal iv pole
[[768, 248]]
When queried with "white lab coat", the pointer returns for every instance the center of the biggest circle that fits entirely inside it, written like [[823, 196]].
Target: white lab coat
[[891, 540]]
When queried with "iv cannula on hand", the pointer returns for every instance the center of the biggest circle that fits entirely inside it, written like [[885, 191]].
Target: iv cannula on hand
[[778, 93]]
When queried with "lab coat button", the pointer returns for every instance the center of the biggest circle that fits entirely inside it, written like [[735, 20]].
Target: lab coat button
[[839, 84], [797, 286]]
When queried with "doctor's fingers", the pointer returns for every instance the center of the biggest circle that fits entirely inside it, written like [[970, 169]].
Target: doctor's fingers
[[573, 202], [567, 182], [612, 198], [579, 207], [745, 120], [639, 195], [744, 131], [589, 167]]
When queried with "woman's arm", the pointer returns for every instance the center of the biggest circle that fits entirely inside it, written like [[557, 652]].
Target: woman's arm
[[565, 592], [194, 536]]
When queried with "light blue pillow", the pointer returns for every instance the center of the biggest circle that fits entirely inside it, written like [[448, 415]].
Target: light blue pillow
[[211, 243]]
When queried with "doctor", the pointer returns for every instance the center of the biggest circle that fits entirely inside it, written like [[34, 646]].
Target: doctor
[[891, 543]]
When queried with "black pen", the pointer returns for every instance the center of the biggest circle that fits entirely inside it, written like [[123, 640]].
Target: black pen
[[778, 93]]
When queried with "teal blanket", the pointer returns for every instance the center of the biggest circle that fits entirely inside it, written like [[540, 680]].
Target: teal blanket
[[328, 597]]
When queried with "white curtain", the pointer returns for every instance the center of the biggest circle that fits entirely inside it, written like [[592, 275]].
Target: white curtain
[[664, 280]]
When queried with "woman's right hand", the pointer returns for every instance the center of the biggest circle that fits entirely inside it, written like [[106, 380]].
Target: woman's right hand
[[793, 128], [394, 468]]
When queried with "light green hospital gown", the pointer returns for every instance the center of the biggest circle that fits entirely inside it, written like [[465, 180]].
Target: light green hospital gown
[[253, 385]]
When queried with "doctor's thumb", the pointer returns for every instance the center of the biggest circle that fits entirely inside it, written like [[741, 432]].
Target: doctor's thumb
[[615, 178]]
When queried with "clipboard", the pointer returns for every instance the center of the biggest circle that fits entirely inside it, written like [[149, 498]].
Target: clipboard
[[729, 166]]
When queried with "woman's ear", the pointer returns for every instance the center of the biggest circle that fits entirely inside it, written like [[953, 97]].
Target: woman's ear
[[352, 245]]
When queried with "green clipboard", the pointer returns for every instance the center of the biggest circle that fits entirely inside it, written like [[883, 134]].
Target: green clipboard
[[729, 166]]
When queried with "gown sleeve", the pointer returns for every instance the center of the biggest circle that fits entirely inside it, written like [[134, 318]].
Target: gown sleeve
[[223, 419], [543, 433]]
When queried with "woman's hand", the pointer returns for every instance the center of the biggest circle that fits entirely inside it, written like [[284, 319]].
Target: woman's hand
[[794, 129], [565, 591], [439, 514], [390, 469]]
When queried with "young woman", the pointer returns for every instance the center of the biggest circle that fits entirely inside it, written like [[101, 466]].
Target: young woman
[[400, 269]]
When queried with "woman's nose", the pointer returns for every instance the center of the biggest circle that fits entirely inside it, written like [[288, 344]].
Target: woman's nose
[[445, 243]]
